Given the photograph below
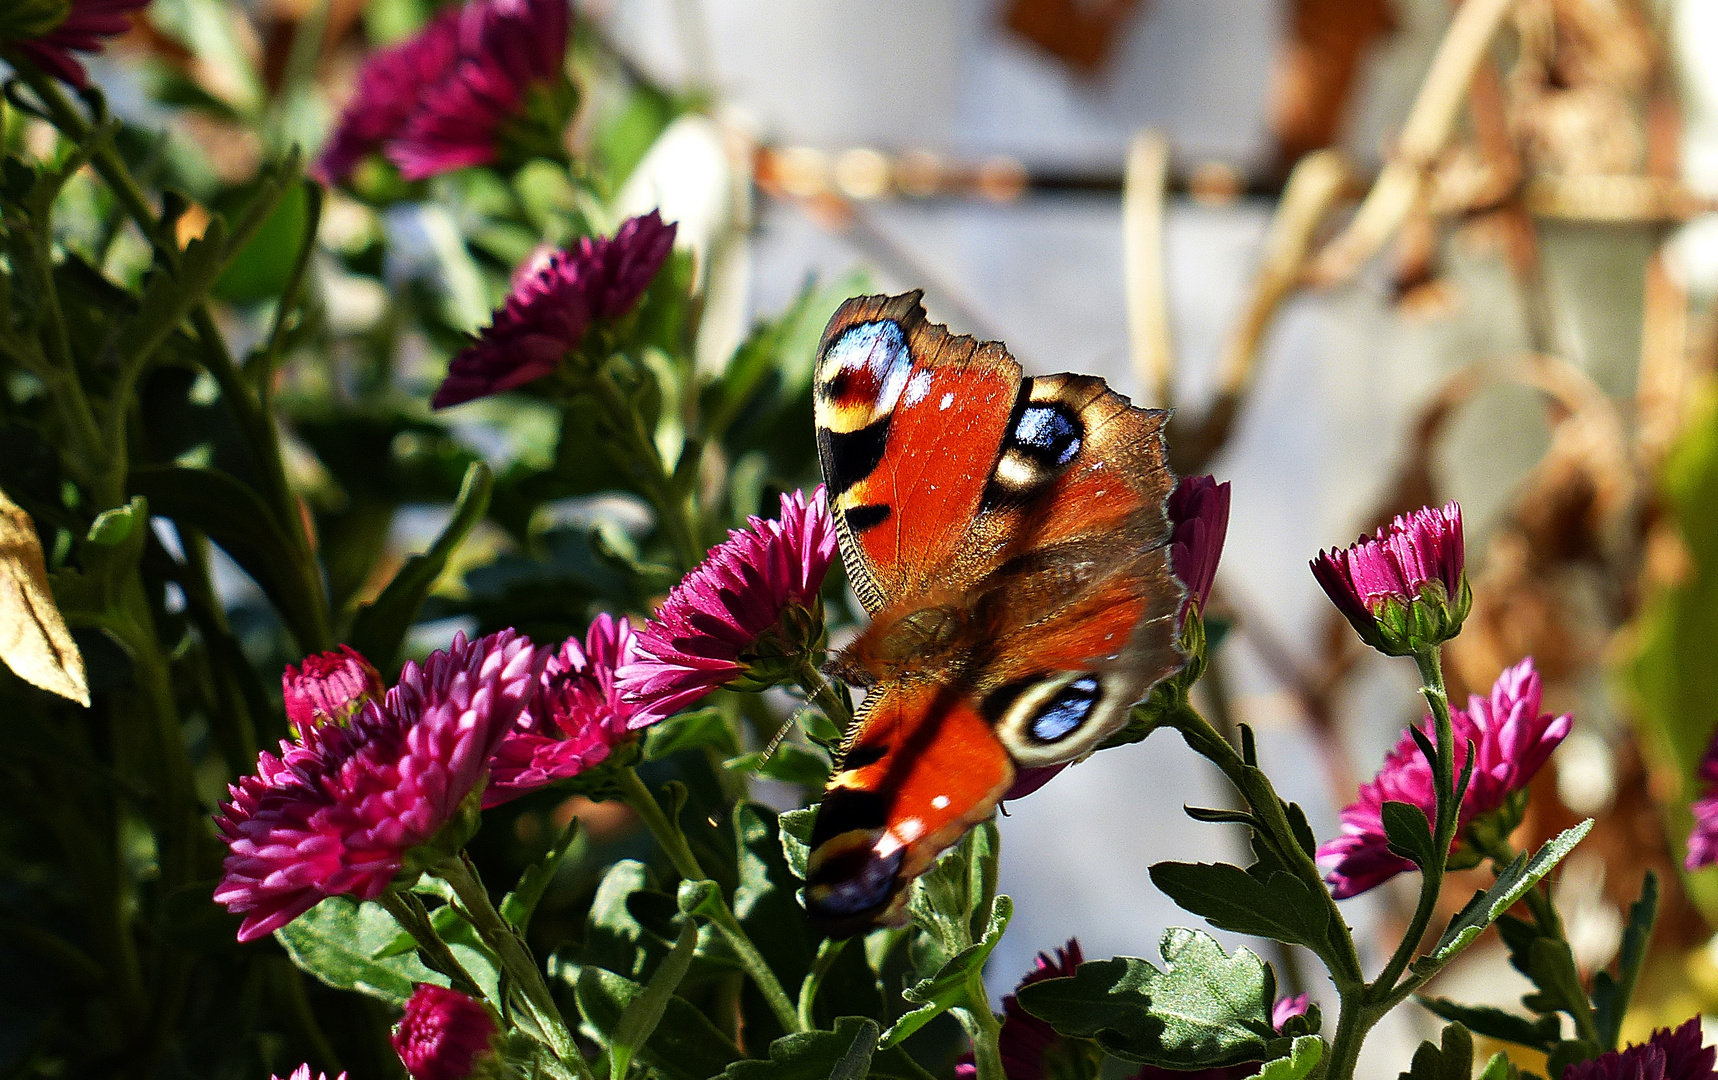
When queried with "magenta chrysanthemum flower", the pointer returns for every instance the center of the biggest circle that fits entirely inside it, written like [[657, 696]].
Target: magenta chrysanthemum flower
[[444, 1034], [711, 624], [303, 1073], [342, 811], [82, 30], [330, 688], [554, 304], [574, 721], [1511, 739], [1703, 841], [1026, 1040], [1669, 1055], [1199, 510], [390, 87], [1403, 588], [509, 50]]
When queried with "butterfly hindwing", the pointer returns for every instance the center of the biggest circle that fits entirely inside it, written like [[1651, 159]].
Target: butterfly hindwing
[[1009, 537]]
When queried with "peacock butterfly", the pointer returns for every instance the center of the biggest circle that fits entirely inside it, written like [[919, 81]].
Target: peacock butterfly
[[1010, 539]]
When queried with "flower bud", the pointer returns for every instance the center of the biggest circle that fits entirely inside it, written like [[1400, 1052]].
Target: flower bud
[[447, 1035], [329, 688], [1404, 590]]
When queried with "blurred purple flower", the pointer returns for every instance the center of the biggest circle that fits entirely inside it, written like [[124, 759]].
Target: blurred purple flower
[[703, 631], [553, 305], [508, 51], [576, 718], [82, 30], [444, 1035], [1511, 739], [1668, 1055], [1199, 511], [329, 688], [390, 86], [342, 811], [1703, 841], [1414, 557]]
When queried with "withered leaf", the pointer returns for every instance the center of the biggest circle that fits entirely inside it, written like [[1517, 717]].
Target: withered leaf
[[34, 641]]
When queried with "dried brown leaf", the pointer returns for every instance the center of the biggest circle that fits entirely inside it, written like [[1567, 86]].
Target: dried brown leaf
[[34, 641]]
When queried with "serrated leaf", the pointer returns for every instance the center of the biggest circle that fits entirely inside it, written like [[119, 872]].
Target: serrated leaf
[[518, 906], [1280, 907], [339, 942], [1551, 966], [1499, 1067], [1202, 1009], [1409, 833], [1511, 886], [850, 1051], [1453, 1060], [953, 984], [764, 895], [380, 627], [1611, 994], [683, 1046], [1304, 1055], [1540, 1033], [639, 1020], [34, 639], [796, 826], [614, 938]]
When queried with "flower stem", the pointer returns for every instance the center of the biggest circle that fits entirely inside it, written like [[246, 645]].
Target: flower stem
[[984, 1029], [823, 694], [516, 959], [673, 842], [409, 912], [645, 460], [1443, 827], [827, 953]]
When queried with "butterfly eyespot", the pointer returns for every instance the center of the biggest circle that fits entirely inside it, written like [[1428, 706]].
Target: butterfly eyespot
[[1056, 717], [1044, 440]]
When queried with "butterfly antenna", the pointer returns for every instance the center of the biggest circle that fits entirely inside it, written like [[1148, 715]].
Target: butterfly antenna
[[778, 738]]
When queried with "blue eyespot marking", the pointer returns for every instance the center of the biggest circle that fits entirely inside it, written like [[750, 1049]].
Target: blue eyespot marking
[[1048, 433], [1066, 711], [869, 362]]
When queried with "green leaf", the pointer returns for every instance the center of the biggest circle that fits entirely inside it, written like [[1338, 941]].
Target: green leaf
[[1551, 966], [1409, 833], [643, 1013], [1280, 907], [614, 938], [764, 895], [518, 906], [236, 518], [1204, 1008], [1540, 1033], [1304, 1055], [689, 731], [790, 763], [849, 1052], [1568, 1053], [951, 901], [339, 941], [683, 1046], [380, 627], [261, 269], [1451, 1061], [1511, 886], [108, 555], [1611, 994], [1499, 1067], [796, 826], [955, 984]]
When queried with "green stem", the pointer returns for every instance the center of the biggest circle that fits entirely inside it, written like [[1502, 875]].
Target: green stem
[[673, 842], [516, 958], [409, 912], [827, 953], [824, 695], [1267, 809], [1446, 820], [651, 472], [1354, 1020], [984, 1029]]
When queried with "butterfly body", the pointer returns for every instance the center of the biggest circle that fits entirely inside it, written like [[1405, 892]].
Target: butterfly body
[[1008, 536]]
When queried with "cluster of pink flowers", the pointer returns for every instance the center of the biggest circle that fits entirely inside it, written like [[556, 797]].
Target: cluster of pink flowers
[[1511, 741], [706, 631], [85, 24], [450, 97], [1668, 1055], [554, 301], [1703, 840], [376, 785]]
